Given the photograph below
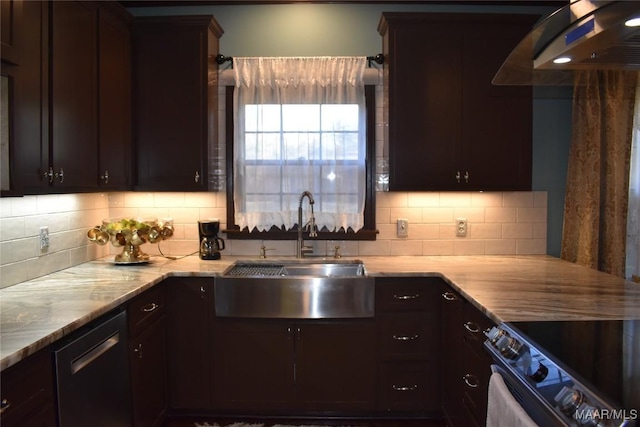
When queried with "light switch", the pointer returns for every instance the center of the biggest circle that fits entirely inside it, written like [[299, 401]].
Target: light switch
[[403, 227]]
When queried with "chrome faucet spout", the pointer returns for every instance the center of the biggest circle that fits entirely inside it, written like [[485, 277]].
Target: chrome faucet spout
[[300, 249]]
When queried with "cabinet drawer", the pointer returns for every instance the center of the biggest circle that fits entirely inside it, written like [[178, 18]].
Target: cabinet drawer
[[146, 308], [27, 392], [406, 294], [409, 386], [408, 335], [474, 323]]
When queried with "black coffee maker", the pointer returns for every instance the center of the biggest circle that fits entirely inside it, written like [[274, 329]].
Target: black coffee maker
[[210, 243]]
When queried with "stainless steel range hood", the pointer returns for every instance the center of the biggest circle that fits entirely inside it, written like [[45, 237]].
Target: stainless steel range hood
[[590, 32]]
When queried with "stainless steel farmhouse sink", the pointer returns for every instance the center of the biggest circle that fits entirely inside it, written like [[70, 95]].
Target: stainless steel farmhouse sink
[[300, 289]]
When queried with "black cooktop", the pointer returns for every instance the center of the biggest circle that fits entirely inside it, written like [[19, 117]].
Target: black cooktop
[[603, 353]]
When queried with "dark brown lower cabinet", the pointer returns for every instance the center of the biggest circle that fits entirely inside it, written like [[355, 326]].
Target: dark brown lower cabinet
[[28, 393], [466, 366], [408, 319], [147, 346], [270, 366], [189, 342]]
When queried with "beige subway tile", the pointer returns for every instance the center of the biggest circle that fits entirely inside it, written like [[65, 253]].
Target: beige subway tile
[[169, 200], [424, 231], [484, 230], [452, 199], [492, 214], [518, 230], [518, 199], [540, 199], [531, 215], [472, 214], [423, 199], [391, 199], [468, 247], [387, 231], [447, 231], [407, 247], [374, 248], [531, 247], [500, 247], [437, 215], [487, 199], [437, 247], [539, 230], [200, 200], [414, 215], [383, 215]]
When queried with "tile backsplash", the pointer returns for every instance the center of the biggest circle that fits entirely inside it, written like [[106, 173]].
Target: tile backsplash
[[499, 223]]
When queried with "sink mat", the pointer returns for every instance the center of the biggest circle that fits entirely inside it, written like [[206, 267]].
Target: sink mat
[[247, 270]]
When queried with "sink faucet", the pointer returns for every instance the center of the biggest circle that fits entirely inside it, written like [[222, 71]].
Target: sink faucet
[[301, 249]]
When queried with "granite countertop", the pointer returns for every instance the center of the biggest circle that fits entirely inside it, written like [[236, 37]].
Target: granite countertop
[[36, 313]]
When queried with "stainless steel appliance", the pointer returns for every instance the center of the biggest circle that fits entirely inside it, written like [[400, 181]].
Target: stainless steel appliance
[[92, 375], [569, 373], [210, 243]]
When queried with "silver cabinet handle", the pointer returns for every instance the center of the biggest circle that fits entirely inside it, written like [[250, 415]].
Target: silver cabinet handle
[[60, 175], [197, 177], [472, 327], [149, 307], [405, 337], [4, 405], [404, 388], [105, 177], [449, 296], [138, 350], [466, 177], [458, 176], [471, 380], [406, 297], [49, 174]]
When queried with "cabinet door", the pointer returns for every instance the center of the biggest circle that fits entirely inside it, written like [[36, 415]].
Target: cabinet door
[[336, 365], [253, 365], [148, 374], [497, 131], [28, 394], [74, 95], [31, 113], [11, 24], [171, 103], [424, 105], [114, 138], [452, 370], [189, 312]]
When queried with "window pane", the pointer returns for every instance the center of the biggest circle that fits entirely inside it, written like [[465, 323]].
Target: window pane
[[339, 117], [262, 146], [301, 146], [301, 117], [262, 118], [259, 177], [340, 146]]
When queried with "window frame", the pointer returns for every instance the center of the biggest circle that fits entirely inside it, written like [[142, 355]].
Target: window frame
[[368, 232]]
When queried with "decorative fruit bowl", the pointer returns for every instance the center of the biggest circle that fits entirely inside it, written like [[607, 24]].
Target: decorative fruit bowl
[[130, 233]]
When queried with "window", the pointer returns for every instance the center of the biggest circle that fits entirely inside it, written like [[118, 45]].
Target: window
[[305, 142]]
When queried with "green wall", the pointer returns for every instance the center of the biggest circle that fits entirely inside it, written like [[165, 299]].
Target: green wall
[[351, 29]]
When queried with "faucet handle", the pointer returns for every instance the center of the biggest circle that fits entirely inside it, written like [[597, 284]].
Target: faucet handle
[[263, 251], [336, 252]]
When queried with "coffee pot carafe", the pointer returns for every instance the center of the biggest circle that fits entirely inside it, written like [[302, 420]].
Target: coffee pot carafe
[[210, 243]]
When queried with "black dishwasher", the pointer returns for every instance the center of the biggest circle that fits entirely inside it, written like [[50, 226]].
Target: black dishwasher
[[92, 375]]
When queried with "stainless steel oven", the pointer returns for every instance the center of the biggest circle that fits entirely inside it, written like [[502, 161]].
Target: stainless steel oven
[[573, 373]]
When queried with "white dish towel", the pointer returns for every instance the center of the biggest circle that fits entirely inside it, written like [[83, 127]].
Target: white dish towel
[[502, 408]]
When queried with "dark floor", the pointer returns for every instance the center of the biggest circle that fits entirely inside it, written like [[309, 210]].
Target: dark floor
[[190, 422]]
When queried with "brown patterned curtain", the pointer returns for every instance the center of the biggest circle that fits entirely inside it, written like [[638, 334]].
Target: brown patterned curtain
[[595, 210]]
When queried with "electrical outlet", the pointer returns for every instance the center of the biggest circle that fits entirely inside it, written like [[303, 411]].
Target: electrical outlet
[[44, 238], [461, 227], [403, 227]]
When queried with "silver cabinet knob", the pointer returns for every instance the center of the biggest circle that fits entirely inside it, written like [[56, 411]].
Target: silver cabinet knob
[[105, 177]]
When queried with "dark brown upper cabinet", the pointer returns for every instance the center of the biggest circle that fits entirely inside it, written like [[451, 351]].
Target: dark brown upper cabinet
[[175, 101], [72, 111], [450, 129]]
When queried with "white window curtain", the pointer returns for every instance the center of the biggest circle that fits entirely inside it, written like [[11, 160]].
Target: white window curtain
[[300, 126], [633, 216]]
